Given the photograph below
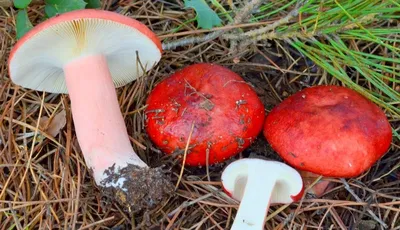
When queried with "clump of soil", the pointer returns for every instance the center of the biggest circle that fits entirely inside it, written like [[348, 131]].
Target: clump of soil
[[141, 189]]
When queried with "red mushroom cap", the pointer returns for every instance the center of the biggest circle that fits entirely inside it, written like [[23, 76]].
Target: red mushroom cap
[[226, 113], [328, 130]]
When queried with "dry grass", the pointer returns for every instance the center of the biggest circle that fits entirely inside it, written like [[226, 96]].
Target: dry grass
[[44, 183]]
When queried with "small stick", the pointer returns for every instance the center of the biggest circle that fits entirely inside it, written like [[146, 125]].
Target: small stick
[[194, 40], [243, 13], [97, 223], [258, 32], [246, 11], [377, 219], [264, 29], [184, 156]]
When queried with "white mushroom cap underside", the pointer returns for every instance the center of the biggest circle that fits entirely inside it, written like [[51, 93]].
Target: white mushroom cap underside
[[288, 180], [38, 63]]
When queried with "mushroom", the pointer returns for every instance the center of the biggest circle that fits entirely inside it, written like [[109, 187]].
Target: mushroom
[[257, 183], [329, 131], [87, 54], [225, 111]]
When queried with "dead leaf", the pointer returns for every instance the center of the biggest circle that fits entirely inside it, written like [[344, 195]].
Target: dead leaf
[[54, 125]]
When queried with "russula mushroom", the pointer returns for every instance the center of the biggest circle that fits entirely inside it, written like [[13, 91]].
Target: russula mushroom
[[328, 130], [225, 111], [87, 54], [257, 183]]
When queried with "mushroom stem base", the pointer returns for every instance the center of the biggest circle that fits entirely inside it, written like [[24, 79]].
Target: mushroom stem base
[[137, 188]]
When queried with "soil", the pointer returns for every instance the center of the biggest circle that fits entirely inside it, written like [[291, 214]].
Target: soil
[[143, 188]]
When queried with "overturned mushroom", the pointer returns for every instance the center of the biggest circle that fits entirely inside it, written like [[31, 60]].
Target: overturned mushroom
[[257, 183]]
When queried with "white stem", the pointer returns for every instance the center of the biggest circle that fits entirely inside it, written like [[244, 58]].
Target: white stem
[[255, 202]]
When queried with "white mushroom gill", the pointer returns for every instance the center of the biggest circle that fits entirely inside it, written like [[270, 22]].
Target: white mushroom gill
[[257, 183], [43, 56]]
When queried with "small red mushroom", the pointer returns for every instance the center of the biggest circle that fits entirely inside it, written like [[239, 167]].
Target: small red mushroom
[[225, 111], [331, 131]]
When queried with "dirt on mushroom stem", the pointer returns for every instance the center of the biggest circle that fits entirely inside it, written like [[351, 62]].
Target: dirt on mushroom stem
[[142, 189]]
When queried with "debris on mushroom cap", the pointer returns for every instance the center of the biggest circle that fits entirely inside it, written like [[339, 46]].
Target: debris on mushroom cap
[[257, 183], [328, 130], [37, 59], [226, 113]]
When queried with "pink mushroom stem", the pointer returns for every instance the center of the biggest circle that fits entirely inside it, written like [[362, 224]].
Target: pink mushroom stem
[[99, 124]]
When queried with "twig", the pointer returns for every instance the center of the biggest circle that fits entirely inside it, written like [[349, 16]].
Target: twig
[[226, 28], [97, 222], [192, 40], [376, 218], [246, 11], [262, 30], [280, 36], [270, 27], [184, 156], [243, 13]]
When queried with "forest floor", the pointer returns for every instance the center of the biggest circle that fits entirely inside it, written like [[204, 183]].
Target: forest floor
[[44, 182]]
